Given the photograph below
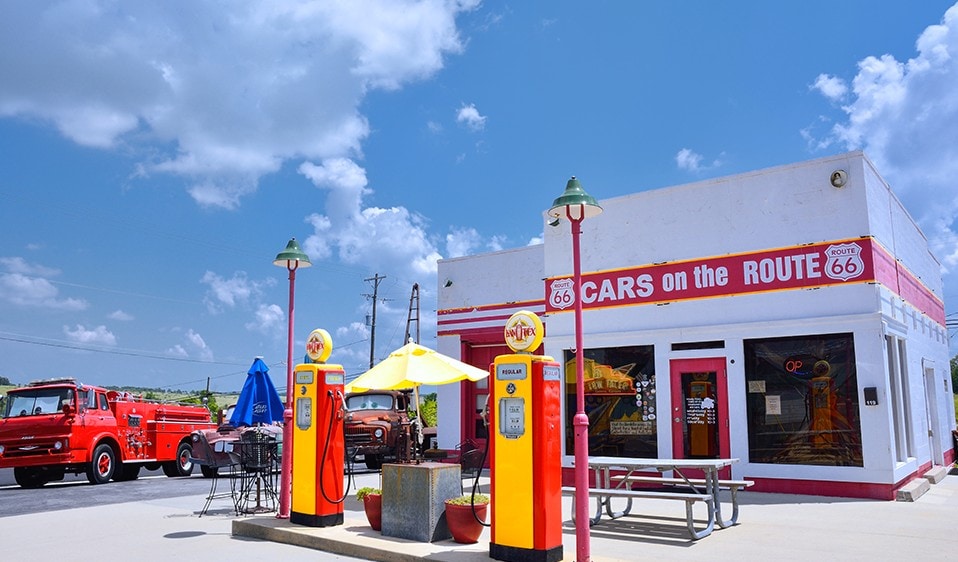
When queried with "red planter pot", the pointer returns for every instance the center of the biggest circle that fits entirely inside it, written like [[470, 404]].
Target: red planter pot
[[462, 523], [373, 504]]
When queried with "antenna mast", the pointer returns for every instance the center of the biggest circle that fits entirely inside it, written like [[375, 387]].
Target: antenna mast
[[413, 315]]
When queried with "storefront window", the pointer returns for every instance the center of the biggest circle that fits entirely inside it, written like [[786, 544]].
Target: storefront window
[[802, 401], [619, 400]]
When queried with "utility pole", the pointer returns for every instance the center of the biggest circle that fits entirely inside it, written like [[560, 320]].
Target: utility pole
[[372, 328]]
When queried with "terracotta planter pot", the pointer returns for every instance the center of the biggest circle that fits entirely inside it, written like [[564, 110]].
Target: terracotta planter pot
[[462, 523], [373, 504]]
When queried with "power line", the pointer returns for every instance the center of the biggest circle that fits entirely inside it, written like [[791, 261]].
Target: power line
[[129, 353], [118, 292]]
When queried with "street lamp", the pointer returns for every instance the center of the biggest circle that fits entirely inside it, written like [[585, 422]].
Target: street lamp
[[292, 258], [576, 205]]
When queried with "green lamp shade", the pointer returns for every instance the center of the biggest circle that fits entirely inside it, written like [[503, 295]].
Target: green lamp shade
[[576, 197], [292, 253]]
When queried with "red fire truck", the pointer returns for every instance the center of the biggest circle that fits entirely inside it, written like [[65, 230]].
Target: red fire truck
[[52, 427]]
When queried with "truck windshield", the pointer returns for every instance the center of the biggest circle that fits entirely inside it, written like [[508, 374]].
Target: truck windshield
[[37, 401], [370, 402]]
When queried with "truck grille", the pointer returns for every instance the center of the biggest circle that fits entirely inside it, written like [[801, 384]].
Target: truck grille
[[35, 449], [357, 436]]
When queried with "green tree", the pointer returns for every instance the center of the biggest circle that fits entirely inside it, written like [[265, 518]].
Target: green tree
[[207, 399], [4, 381], [429, 410]]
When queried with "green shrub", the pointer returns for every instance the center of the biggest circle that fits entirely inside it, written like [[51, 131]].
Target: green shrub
[[428, 409], [365, 491], [466, 499]]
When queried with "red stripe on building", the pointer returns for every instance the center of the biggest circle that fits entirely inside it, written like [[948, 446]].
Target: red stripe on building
[[844, 262]]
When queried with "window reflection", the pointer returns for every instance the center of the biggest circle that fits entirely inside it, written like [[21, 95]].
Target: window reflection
[[802, 400], [619, 400]]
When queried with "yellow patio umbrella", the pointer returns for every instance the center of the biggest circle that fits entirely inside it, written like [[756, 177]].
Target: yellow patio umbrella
[[413, 365]]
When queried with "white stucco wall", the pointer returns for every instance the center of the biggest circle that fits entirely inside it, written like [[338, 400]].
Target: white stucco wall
[[781, 207], [508, 280]]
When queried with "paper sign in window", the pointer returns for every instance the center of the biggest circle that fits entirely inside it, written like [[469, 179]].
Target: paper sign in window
[[773, 405]]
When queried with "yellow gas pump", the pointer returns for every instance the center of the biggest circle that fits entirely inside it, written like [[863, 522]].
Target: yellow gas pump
[[526, 452], [319, 451]]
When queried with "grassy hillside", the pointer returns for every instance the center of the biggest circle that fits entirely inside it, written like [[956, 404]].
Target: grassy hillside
[[217, 400]]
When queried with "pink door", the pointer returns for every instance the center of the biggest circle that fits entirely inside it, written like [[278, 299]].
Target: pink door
[[700, 428]]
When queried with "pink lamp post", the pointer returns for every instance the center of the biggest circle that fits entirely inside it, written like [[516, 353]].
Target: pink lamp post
[[576, 205], [292, 258]]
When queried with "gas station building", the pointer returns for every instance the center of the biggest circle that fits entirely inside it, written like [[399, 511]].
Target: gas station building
[[790, 317]]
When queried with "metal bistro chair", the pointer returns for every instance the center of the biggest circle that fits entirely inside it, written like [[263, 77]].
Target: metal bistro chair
[[204, 456], [470, 459], [257, 454]]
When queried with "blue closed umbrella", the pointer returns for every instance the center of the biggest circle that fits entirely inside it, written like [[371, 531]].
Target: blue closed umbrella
[[258, 402]]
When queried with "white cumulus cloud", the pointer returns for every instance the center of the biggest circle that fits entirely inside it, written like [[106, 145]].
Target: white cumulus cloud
[[470, 117], [232, 89], [831, 87], [231, 292], [904, 116], [99, 335], [198, 345], [691, 161], [120, 315], [23, 290], [268, 318], [384, 239], [462, 242], [22, 266]]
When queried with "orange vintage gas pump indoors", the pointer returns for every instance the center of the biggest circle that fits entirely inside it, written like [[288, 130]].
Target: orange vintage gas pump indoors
[[318, 452], [822, 404], [701, 421], [526, 481]]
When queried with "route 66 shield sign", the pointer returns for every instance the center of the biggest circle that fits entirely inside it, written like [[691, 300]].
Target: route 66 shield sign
[[561, 294], [844, 261]]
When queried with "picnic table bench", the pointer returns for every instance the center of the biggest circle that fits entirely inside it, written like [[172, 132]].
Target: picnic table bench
[[620, 485], [733, 486], [603, 494]]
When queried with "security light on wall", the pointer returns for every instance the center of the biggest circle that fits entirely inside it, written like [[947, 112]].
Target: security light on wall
[[839, 178]]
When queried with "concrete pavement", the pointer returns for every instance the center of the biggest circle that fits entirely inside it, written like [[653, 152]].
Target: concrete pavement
[[784, 527]]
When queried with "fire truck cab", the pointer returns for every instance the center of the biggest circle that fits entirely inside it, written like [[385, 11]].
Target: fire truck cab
[[53, 427]]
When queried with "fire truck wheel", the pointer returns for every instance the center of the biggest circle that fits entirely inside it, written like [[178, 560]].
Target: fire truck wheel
[[126, 472], [209, 471], [182, 466], [29, 477], [104, 464]]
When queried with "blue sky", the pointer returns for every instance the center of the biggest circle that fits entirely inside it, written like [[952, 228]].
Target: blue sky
[[155, 157]]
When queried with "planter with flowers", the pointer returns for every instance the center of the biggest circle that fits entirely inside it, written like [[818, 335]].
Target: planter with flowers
[[466, 516], [372, 499]]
